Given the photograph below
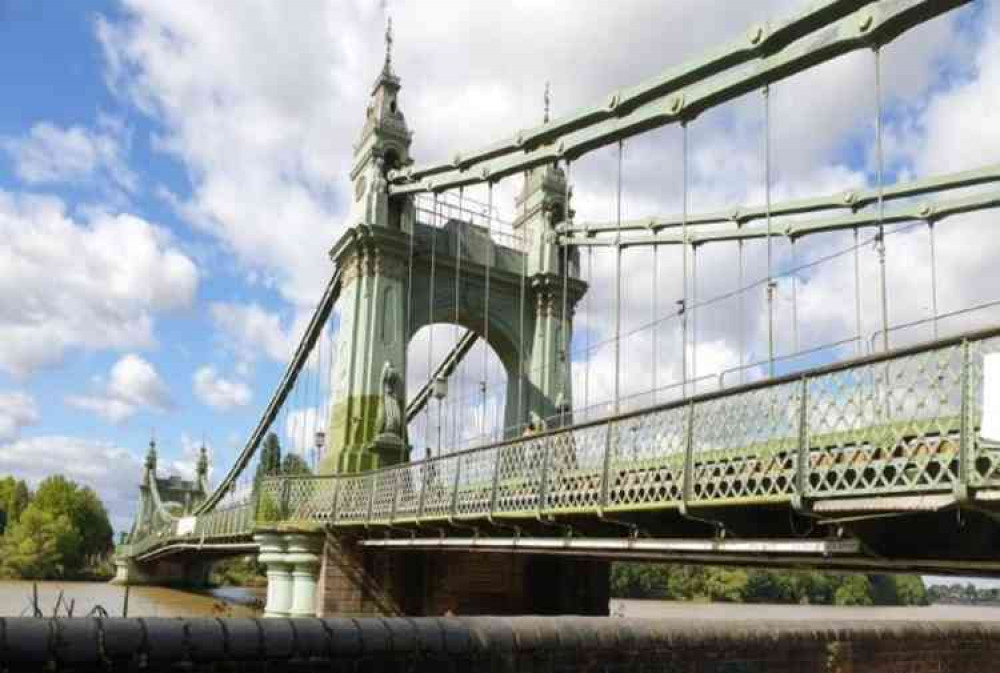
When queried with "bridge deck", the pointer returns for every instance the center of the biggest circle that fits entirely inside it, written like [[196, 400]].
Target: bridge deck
[[903, 423]]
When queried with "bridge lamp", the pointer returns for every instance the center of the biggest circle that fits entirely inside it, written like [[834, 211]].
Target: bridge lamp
[[320, 441], [440, 391]]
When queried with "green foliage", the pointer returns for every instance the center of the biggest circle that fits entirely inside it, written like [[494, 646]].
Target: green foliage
[[14, 498], [268, 509], [240, 571], [41, 545], [269, 461], [637, 580], [86, 513], [856, 590], [701, 583], [61, 531], [910, 590], [295, 464]]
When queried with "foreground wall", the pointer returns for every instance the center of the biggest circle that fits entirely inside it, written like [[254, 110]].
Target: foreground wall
[[494, 644]]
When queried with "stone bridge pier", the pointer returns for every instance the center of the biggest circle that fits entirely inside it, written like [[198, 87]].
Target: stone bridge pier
[[316, 575]]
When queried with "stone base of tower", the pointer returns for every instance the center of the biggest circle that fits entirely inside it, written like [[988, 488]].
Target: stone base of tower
[[358, 582]]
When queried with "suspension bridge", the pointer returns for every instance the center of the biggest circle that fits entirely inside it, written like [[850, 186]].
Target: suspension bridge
[[535, 471]]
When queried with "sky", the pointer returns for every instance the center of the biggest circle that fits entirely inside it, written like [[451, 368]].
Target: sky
[[173, 175]]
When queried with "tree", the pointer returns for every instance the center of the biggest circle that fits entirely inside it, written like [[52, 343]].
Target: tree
[[41, 545], [639, 580], [269, 462], [855, 590], [294, 464], [765, 586], [14, 498], [910, 590], [61, 497]]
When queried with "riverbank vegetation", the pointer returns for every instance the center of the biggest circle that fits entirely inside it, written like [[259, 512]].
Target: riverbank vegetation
[[735, 585], [60, 531]]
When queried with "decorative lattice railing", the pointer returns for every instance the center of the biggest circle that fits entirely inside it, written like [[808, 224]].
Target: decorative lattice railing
[[900, 423]]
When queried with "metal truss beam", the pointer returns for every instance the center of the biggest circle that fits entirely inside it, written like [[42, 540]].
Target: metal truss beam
[[849, 199], [684, 95], [929, 212]]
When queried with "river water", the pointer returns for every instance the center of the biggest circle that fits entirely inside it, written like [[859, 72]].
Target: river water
[[668, 610], [16, 598]]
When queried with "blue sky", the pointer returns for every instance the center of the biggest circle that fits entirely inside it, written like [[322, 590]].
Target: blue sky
[[172, 175]]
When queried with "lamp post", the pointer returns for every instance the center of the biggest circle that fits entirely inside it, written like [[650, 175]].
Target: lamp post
[[320, 442], [440, 391]]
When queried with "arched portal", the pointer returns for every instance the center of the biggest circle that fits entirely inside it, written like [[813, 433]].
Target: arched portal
[[507, 288], [471, 406]]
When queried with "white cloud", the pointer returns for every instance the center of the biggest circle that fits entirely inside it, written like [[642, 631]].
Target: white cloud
[[17, 410], [249, 330], [218, 392], [50, 154], [133, 385], [111, 470], [66, 284]]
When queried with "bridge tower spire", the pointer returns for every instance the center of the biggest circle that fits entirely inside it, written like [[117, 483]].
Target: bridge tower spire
[[372, 256]]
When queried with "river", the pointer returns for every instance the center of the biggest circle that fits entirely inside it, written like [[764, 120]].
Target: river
[[669, 610], [16, 598]]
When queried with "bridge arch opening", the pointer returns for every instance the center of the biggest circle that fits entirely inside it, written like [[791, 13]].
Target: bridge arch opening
[[476, 403]]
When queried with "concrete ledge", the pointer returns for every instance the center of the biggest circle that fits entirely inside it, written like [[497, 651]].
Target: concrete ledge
[[497, 644]]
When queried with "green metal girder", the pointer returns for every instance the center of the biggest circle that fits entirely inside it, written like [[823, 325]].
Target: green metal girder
[[849, 199], [873, 25], [931, 211]]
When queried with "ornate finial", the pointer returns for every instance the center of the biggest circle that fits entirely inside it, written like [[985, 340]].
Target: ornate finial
[[151, 456], [202, 461], [548, 100], [388, 42]]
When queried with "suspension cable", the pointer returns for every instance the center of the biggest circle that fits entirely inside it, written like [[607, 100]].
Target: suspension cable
[[656, 309], [694, 318], [484, 383], [319, 400], [564, 384], [795, 300], [934, 292], [618, 281], [880, 245], [409, 309], [588, 335], [521, 371], [458, 328], [742, 311], [857, 294], [430, 315], [684, 256], [770, 246]]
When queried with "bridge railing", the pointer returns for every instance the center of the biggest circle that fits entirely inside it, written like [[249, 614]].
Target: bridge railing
[[904, 422]]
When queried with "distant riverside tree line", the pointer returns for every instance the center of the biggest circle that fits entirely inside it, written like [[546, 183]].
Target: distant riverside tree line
[[60, 531], [734, 585], [963, 594]]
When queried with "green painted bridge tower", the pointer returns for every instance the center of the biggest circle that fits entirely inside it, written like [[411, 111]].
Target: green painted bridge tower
[[388, 294]]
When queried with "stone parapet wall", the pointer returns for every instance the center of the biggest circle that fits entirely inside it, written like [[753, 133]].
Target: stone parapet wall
[[494, 644]]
